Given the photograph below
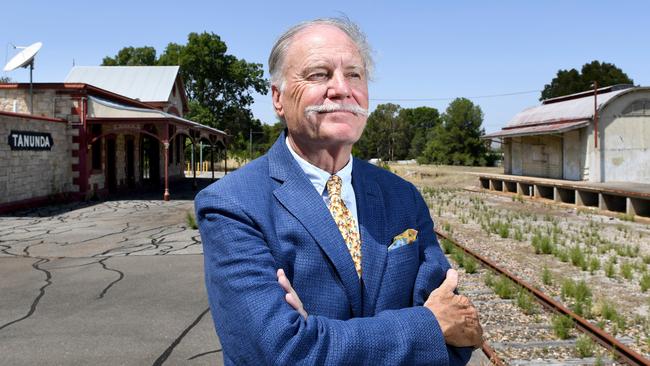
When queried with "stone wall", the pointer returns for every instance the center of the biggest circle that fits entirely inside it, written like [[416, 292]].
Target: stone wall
[[35, 174], [47, 103]]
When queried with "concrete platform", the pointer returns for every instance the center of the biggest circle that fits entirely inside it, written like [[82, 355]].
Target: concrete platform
[[619, 197]]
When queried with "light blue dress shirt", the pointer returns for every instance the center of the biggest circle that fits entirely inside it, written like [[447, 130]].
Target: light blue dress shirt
[[318, 177]]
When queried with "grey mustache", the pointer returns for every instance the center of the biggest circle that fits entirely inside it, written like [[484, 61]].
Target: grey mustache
[[336, 107]]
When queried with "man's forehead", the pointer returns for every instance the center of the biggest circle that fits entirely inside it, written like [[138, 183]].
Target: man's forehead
[[319, 39], [319, 34]]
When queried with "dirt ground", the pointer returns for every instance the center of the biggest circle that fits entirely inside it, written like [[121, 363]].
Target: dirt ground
[[609, 253]]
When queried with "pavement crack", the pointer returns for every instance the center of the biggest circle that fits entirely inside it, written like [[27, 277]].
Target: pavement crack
[[119, 278], [41, 292], [163, 357], [204, 354]]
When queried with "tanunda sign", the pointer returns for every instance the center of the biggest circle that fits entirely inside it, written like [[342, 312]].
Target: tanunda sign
[[27, 140]]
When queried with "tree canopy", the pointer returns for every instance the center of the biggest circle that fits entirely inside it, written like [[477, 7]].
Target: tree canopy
[[572, 81], [396, 133], [219, 86]]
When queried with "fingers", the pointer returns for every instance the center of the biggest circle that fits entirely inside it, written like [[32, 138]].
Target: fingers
[[451, 281], [284, 281], [291, 297]]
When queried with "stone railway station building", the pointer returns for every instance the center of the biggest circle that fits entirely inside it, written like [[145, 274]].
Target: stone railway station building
[[101, 131], [586, 149]]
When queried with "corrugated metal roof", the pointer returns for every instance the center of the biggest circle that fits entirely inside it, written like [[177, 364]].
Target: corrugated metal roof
[[539, 129], [135, 113], [568, 110], [145, 83]]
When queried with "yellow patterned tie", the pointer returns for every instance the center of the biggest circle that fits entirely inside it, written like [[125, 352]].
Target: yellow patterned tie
[[344, 221]]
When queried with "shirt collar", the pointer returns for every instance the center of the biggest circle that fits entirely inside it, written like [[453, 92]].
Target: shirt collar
[[317, 176]]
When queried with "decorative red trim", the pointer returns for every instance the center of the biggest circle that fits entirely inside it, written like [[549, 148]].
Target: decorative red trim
[[31, 116]]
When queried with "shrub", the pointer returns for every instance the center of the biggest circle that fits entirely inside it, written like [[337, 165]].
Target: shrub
[[594, 264], [518, 235], [645, 282], [447, 245], [577, 256], [542, 244], [626, 270], [191, 222], [609, 269], [504, 287], [470, 264], [526, 302], [584, 346], [547, 277], [562, 325]]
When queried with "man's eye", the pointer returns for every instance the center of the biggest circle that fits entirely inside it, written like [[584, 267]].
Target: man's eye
[[318, 76], [354, 75]]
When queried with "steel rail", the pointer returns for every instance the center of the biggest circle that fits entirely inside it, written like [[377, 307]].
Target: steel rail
[[612, 344]]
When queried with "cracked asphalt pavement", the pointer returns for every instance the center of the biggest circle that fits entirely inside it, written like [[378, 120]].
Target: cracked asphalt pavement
[[106, 283]]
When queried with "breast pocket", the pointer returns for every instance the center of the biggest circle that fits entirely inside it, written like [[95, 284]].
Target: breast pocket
[[403, 262], [402, 266]]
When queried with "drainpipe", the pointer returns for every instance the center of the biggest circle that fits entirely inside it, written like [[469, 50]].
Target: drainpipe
[[595, 114]]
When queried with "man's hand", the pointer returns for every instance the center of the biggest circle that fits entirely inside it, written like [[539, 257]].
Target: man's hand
[[291, 295], [457, 317]]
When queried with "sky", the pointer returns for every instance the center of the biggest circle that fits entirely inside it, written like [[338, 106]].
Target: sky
[[499, 54]]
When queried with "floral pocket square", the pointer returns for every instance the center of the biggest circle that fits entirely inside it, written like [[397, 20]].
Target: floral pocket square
[[405, 238]]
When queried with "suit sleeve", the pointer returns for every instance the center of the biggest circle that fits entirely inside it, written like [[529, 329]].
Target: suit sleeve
[[256, 326], [433, 269]]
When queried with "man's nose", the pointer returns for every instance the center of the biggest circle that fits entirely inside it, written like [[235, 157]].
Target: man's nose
[[338, 86]]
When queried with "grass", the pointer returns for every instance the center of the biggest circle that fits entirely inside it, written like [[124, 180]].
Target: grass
[[547, 277], [191, 222], [594, 264], [644, 282], [608, 311], [580, 293], [562, 326], [626, 270], [625, 217], [542, 244], [577, 256], [447, 245], [504, 287], [584, 346], [526, 302], [470, 264], [610, 269]]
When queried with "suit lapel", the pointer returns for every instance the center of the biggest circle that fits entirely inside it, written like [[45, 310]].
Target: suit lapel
[[374, 249], [299, 197]]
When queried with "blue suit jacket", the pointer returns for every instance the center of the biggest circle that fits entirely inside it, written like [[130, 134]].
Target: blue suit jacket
[[267, 215]]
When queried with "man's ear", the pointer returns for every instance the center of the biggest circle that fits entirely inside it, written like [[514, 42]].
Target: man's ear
[[277, 104]]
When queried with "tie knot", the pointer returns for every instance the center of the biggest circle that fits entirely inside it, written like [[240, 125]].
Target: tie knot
[[334, 186]]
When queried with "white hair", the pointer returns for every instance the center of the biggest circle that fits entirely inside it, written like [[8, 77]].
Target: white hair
[[279, 50]]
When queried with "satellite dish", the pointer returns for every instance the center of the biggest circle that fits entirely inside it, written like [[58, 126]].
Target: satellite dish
[[24, 57]]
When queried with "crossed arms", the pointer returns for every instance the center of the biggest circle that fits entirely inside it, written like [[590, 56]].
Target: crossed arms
[[256, 324]]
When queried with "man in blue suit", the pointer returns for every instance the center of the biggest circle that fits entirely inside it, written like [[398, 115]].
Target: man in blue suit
[[314, 257]]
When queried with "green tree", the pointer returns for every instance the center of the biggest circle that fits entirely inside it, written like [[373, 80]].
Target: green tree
[[5, 79], [132, 56], [417, 123], [457, 140], [572, 81], [382, 135], [219, 86]]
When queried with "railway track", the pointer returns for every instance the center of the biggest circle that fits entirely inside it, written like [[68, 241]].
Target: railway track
[[618, 351]]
